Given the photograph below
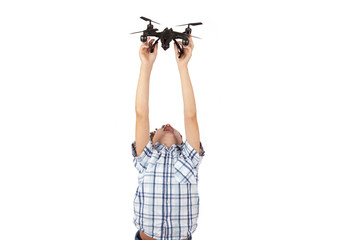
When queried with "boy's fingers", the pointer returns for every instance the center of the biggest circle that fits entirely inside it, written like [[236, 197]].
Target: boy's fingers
[[191, 41], [145, 43]]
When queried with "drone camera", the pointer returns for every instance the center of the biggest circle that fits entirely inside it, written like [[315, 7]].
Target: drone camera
[[166, 46]]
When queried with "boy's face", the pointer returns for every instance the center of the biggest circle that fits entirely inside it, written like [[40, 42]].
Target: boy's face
[[167, 135]]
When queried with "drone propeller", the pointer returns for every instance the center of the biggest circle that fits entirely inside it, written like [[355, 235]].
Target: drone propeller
[[147, 19], [155, 29], [192, 24], [188, 29], [195, 37]]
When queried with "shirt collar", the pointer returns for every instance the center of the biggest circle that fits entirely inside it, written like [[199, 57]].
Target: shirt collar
[[162, 147]]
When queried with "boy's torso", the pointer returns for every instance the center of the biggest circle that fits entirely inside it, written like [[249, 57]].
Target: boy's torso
[[167, 201]]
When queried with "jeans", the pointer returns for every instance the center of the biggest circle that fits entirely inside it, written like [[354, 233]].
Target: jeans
[[137, 236]]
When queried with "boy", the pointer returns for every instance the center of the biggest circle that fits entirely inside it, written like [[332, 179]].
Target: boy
[[166, 203]]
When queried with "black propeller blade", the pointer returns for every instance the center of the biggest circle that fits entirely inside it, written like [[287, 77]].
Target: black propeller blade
[[192, 24], [195, 37], [155, 29], [147, 19]]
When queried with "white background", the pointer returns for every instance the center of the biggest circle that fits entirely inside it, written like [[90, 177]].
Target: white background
[[277, 92]]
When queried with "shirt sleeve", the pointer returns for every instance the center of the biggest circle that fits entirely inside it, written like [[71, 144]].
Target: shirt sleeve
[[191, 154], [141, 161]]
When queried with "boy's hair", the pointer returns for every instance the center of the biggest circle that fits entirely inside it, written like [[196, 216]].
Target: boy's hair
[[152, 134]]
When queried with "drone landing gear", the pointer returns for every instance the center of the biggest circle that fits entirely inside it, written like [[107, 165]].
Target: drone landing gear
[[180, 49], [153, 46]]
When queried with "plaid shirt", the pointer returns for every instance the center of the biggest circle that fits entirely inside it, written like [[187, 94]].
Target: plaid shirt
[[166, 204]]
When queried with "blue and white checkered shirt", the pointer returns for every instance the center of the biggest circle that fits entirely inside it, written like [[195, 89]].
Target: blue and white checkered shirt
[[166, 204]]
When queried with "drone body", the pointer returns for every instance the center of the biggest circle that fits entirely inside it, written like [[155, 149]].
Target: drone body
[[166, 36]]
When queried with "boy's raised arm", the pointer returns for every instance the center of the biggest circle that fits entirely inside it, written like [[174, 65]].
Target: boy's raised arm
[[191, 124], [142, 129], [190, 118], [142, 110]]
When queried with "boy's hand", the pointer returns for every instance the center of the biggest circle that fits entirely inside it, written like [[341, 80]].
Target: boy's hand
[[146, 56], [187, 52]]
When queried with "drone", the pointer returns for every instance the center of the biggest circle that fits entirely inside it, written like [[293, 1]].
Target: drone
[[167, 35]]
